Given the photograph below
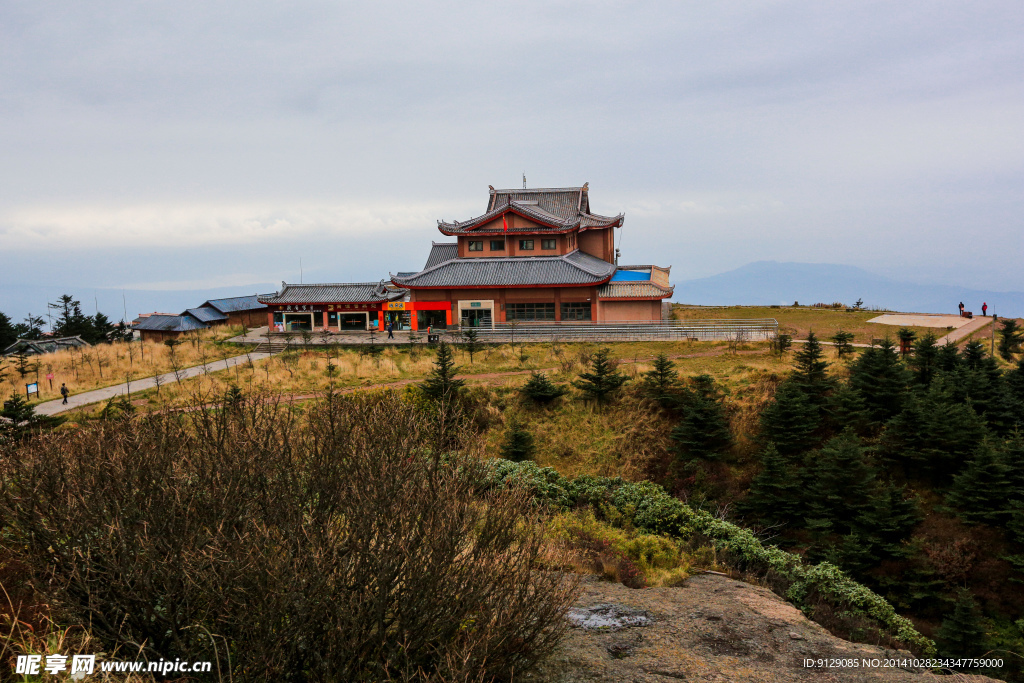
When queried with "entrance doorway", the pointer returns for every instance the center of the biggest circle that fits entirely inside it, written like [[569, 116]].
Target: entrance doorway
[[294, 322], [476, 313], [402, 320], [476, 317]]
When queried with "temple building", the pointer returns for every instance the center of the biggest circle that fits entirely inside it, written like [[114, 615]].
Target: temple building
[[534, 255], [537, 255]]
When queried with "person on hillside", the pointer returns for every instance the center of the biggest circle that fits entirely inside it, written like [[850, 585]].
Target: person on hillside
[[391, 327], [65, 392], [961, 309], [984, 308]]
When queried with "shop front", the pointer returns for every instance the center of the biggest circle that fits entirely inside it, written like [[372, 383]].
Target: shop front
[[416, 315], [332, 317]]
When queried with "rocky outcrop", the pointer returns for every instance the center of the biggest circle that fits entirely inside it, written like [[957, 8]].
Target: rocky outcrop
[[711, 628]]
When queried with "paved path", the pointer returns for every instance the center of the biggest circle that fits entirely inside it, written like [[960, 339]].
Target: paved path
[[106, 393], [921, 320], [956, 335]]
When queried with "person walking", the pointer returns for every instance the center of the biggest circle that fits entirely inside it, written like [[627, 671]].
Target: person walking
[[391, 327], [64, 392], [961, 309], [984, 309]]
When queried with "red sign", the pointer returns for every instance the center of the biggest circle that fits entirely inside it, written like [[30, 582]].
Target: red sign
[[49, 376]]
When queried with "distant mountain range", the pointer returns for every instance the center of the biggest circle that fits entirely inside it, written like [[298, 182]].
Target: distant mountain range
[[770, 282]]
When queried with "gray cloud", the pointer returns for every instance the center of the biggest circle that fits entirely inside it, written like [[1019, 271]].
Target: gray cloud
[[881, 135]]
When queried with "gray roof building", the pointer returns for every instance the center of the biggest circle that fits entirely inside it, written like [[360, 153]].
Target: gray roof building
[[441, 252], [344, 292], [170, 323], [207, 314], [556, 210], [34, 347], [574, 268], [235, 303]]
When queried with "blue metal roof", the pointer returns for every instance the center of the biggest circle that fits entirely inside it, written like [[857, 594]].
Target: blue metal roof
[[206, 314], [631, 276], [170, 323]]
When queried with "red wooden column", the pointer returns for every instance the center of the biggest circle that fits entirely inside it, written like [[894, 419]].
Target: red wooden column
[[414, 324]]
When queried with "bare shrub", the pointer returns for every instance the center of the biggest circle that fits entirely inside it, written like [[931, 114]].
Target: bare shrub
[[338, 544]]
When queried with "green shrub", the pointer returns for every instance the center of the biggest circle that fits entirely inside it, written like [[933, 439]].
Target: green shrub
[[651, 509]]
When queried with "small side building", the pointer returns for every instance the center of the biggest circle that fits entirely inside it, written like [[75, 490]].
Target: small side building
[[159, 327], [35, 347], [236, 310]]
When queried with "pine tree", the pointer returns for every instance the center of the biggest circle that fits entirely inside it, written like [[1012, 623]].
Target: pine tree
[[962, 633], [948, 357], [982, 384], [471, 341], [101, 329], [1015, 383], [8, 335], [933, 435], [518, 442], [881, 380], [906, 337], [1010, 338], [973, 354], [982, 491], [791, 422], [540, 389], [811, 374], [602, 381], [840, 484], [21, 419], [889, 521], [925, 361], [842, 341], [661, 381], [703, 432], [776, 490], [846, 410], [441, 384]]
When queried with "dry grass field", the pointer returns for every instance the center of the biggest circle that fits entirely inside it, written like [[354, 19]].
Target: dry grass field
[[798, 321], [108, 364]]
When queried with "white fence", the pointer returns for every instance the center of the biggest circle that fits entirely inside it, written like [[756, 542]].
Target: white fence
[[754, 329]]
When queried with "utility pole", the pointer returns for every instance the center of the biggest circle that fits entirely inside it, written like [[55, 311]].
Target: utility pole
[[993, 351]]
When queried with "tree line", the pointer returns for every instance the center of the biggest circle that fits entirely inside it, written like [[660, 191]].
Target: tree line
[[67, 320]]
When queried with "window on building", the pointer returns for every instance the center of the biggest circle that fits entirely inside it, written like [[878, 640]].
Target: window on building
[[476, 246], [526, 245], [576, 310], [497, 245], [318, 319], [548, 244], [530, 311]]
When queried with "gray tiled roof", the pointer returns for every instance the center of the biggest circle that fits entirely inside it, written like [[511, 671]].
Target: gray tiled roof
[[562, 208], [565, 202], [574, 268], [331, 293], [235, 303], [441, 252], [45, 345], [207, 314], [633, 290], [170, 323]]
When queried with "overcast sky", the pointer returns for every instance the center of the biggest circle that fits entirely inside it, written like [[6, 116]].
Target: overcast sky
[[176, 145]]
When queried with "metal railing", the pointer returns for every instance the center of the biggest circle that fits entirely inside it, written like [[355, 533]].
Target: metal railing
[[752, 329]]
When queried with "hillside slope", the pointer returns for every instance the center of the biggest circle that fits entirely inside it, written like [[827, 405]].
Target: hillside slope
[[770, 282], [711, 628]]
